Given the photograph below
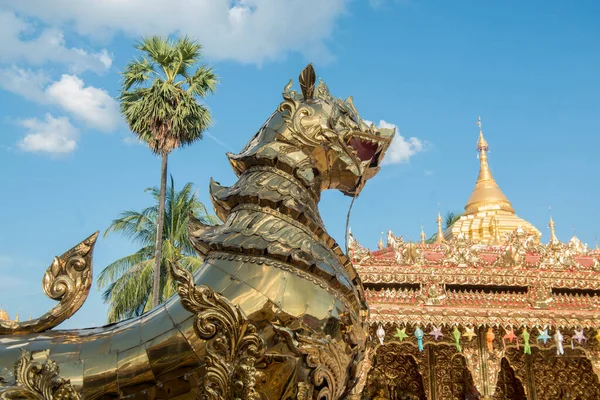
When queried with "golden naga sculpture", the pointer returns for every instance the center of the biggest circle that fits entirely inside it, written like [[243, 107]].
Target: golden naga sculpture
[[276, 311]]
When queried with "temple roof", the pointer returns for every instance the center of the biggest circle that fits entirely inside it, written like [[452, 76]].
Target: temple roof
[[488, 214]]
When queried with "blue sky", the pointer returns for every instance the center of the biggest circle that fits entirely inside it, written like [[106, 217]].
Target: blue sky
[[530, 69]]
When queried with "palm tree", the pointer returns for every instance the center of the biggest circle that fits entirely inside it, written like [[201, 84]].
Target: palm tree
[[159, 99], [449, 219], [129, 280]]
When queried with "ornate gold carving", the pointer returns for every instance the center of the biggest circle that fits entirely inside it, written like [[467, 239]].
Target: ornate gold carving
[[474, 365], [68, 280], [327, 362], [401, 370], [233, 344], [452, 377], [560, 378], [34, 380], [461, 252], [433, 293]]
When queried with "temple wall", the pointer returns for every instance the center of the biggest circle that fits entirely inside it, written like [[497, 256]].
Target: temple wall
[[399, 370]]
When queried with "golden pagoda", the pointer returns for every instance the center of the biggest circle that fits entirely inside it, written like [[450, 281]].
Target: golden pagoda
[[488, 213], [486, 311]]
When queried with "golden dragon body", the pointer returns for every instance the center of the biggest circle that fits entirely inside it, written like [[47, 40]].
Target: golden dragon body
[[276, 311]]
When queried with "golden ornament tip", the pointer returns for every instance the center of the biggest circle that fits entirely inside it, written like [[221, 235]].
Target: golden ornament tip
[[487, 195], [440, 231]]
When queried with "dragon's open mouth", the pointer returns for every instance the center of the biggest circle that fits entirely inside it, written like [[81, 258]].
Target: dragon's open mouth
[[367, 149]]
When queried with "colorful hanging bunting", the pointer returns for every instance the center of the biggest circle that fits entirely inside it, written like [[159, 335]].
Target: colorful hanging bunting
[[470, 333], [436, 332], [543, 336], [489, 338], [579, 336], [380, 333], [510, 336], [456, 334], [400, 334], [419, 335], [558, 338], [526, 346]]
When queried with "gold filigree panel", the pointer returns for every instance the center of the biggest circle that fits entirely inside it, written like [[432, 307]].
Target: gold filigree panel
[[399, 371], [508, 386], [452, 377], [565, 377]]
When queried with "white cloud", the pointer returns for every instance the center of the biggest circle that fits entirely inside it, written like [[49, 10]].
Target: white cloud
[[249, 31], [401, 149], [54, 136], [24, 82], [22, 42], [91, 105]]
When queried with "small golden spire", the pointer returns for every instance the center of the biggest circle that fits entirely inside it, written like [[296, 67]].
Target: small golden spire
[[440, 232], [596, 241], [17, 317], [422, 235], [553, 238], [380, 244], [486, 195], [4, 315]]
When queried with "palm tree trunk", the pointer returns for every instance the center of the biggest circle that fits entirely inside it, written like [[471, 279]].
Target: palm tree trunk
[[159, 231]]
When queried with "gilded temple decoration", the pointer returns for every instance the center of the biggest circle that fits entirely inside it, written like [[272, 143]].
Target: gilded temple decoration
[[487, 301], [68, 280], [488, 215], [232, 342], [432, 292], [36, 380]]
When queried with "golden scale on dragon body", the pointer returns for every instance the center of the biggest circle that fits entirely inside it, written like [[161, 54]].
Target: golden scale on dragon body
[[278, 311]]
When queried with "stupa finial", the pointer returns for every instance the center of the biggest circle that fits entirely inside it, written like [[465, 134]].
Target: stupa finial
[[486, 195], [440, 231]]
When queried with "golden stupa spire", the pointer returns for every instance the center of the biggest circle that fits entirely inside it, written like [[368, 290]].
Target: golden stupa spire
[[422, 234], [553, 238], [486, 195], [380, 244], [440, 231]]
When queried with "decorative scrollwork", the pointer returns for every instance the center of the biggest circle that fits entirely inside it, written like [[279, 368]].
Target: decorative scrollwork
[[461, 252], [68, 280], [233, 344], [34, 380], [326, 360]]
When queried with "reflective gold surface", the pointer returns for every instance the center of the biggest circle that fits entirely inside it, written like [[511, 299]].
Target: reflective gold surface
[[276, 310], [488, 213]]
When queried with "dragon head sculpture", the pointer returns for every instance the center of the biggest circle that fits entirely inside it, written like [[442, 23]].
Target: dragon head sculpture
[[321, 137], [275, 310]]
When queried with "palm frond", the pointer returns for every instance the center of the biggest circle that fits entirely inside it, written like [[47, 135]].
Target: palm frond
[[120, 277], [117, 268], [202, 83], [137, 73]]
